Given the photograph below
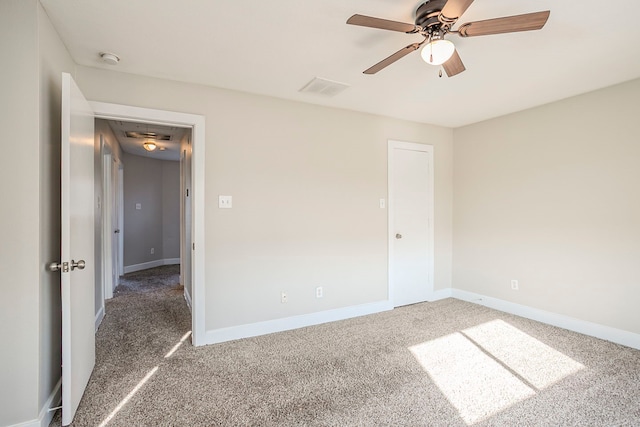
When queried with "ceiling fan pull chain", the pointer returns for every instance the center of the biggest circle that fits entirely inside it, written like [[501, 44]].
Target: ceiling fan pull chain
[[431, 52], [440, 73]]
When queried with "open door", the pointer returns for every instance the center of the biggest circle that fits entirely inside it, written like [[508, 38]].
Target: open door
[[77, 250]]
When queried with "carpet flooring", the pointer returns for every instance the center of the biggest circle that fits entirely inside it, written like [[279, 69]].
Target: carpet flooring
[[447, 363]]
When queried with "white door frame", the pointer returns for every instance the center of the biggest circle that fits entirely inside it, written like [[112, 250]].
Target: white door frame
[[185, 219], [119, 212], [111, 221], [197, 124], [411, 146], [107, 221]]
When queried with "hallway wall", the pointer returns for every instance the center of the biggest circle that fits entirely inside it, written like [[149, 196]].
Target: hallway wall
[[154, 185]]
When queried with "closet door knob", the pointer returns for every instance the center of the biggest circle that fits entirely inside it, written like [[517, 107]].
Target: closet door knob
[[79, 265]]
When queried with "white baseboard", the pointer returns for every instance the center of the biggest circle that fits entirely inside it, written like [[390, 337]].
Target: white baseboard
[[54, 400], [45, 416], [608, 333], [150, 264], [294, 322], [99, 317]]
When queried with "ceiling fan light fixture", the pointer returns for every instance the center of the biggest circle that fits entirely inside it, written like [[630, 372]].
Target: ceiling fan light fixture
[[149, 145], [437, 51]]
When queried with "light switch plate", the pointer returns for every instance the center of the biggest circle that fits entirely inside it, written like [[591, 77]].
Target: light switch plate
[[138, 206], [224, 202]]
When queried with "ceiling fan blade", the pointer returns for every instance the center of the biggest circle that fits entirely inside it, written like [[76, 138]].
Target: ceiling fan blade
[[393, 58], [454, 9], [508, 24], [453, 65], [383, 24]]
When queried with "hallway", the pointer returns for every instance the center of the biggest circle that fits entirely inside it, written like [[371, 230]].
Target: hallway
[[146, 320]]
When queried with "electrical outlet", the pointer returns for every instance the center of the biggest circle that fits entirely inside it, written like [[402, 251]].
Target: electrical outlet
[[514, 285], [319, 292], [283, 297], [153, 251]]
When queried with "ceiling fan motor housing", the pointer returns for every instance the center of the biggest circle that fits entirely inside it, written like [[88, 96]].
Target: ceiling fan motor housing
[[428, 16]]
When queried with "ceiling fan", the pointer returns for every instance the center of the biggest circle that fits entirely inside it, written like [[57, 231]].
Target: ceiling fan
[[434, 20]]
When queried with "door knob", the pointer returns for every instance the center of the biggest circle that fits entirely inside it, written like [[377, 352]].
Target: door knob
[[62, 266], [398, 236], [116, 231], [79, 265]]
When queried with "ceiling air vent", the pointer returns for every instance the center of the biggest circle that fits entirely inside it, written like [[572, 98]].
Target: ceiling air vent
[[324, 87], [143, 135]]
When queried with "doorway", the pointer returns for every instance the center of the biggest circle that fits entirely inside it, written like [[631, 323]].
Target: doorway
[[411, 199], [190, 224], [147, 232], [111, 218]]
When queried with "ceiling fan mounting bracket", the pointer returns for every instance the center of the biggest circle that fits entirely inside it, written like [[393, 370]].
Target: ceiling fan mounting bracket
[[429, 17]]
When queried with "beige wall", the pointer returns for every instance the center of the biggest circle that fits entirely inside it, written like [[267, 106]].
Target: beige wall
[[170, 209], [19, 178], [54, 59], [155, 184], [29, 176], [550, 197], [305, 182]]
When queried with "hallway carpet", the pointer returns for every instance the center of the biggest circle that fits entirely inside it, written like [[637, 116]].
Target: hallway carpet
[[153, 279], [447, 363]]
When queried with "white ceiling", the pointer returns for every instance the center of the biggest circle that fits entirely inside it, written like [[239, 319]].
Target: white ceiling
[[276, 47]]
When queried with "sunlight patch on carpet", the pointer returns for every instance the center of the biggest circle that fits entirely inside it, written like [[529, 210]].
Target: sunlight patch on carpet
[[475, 384], [539, 364], [128, 397], [177, 346], [485, 369]]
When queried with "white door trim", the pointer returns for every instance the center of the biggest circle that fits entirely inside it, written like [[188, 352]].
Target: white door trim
[[412, 146], [107, 225], [197, 124], [119, 194]]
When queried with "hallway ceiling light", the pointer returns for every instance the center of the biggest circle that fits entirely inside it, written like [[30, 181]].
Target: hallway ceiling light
[[149, 145]]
